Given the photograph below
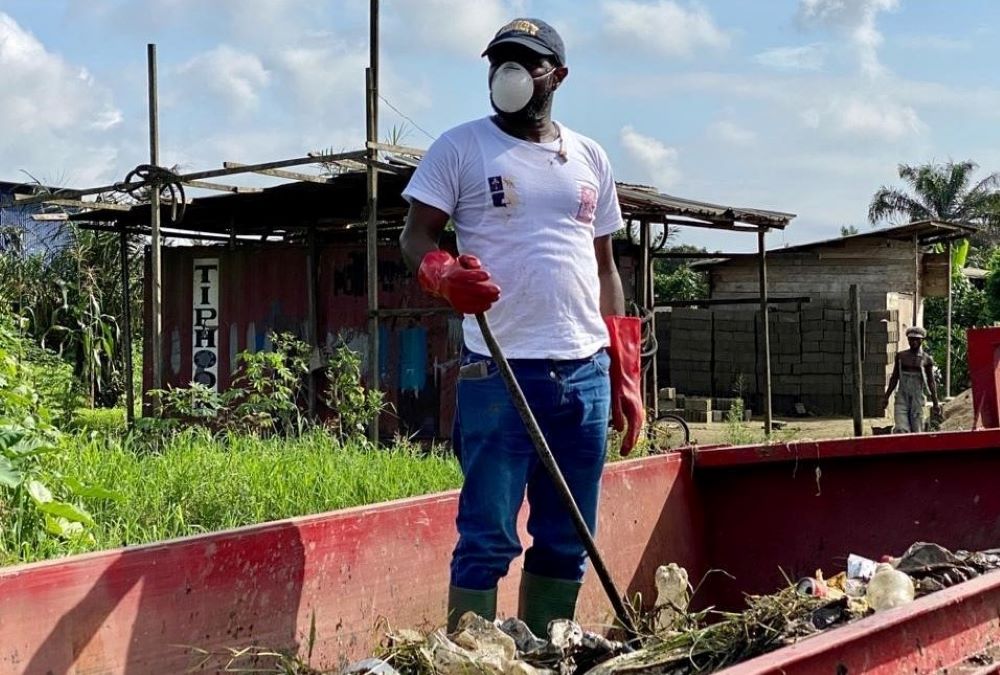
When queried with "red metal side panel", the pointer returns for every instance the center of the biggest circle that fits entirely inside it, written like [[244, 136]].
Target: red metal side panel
[[128, 610], [933, 633], [984, 371], [769, 517]]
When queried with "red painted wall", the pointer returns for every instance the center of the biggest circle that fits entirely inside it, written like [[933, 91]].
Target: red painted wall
[[263, 289]]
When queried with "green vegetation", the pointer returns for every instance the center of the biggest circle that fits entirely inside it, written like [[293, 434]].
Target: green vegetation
[[250, 459], [199, 483], [675, 279], [942, 192]]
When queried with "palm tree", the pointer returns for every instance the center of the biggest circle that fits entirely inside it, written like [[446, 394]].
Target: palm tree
[[941, 192]]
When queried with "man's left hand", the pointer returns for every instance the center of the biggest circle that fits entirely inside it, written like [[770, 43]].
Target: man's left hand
[[626, 388]]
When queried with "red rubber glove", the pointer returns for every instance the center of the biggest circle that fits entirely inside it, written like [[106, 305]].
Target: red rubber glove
[[626, 381], [461, 281]]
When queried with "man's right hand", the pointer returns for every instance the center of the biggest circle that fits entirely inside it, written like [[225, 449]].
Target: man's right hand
[[461, 281]]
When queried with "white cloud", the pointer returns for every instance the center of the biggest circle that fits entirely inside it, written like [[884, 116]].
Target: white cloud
[[326, 82], [458, 26], [732, 133], [236, 76], [856, 19], [656, 160], [866, 118], [53, 114], [806, 57], [663, 27]]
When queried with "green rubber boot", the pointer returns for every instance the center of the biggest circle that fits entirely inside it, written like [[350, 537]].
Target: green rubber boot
[[462, 600], [543, 599]]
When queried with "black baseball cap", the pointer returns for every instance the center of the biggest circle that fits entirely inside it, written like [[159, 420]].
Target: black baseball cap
[[534, 34]]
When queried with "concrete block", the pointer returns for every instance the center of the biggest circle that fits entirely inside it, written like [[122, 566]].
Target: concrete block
[[698, 416], [698, 403]]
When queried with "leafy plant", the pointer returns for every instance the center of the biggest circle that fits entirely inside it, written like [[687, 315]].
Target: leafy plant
[[36, 503], [268, 384], [351, 403], [737, 432]]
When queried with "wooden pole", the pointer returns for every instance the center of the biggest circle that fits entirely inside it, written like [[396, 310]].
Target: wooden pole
[[765, 323], [916, 281], [127, 329], [371, 87], [947, 358], [156, 330], [857, 402], [312, 266]]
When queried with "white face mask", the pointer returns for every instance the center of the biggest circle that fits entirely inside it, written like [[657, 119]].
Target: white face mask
[[512, 87]]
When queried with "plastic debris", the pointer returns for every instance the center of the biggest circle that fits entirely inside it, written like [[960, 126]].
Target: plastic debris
[[859, 567], [371, 667], [672, 595], [889, 588], [680, 641]]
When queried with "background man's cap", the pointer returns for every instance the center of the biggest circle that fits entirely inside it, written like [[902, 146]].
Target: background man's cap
[[532, 33], [916, 331]]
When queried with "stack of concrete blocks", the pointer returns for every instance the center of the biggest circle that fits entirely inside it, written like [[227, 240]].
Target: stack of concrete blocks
[[667, 399], [824, 335], [786, 357], [881, 340], [691, 351], [698, 409], [722, 407], [662, 320], [735, 342]]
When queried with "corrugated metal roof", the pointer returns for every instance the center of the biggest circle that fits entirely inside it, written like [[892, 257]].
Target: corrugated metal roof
[[648, 201], [341, 202], [927, 232]]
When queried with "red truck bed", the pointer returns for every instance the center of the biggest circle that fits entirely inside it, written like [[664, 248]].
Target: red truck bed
[[757, 512]]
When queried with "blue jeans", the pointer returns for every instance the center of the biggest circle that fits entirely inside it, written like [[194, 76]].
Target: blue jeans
[[571, 401]]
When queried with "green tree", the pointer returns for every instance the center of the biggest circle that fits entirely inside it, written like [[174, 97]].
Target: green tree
[[993, 286], [942, 192], [848, 230], [684, 283]]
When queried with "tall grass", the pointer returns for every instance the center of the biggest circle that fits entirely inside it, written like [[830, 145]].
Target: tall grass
[[199, 484]]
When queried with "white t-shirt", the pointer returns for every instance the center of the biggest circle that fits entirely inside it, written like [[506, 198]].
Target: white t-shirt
[[531, 217]]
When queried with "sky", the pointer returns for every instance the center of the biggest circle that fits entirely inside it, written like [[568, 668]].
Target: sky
[[803, 106]]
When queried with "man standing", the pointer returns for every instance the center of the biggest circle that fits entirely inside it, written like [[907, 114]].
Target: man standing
[[913, 372], [534, 206]]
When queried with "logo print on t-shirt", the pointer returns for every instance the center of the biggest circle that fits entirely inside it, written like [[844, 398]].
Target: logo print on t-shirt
[[588, 204], [496, 190]]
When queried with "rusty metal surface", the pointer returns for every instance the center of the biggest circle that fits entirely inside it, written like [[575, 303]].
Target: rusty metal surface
[[263, 288], [648, 200]]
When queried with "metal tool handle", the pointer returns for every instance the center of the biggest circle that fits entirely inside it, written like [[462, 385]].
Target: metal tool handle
[[545, 455]]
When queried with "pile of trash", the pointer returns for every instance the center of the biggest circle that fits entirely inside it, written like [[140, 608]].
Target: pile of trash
[[673, 640]]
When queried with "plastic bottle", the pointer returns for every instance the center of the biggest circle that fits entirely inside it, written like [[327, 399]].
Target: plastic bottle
[[889, 588]]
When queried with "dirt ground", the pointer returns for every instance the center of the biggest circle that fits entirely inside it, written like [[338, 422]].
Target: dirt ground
[[957, 416], [793, 428]]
